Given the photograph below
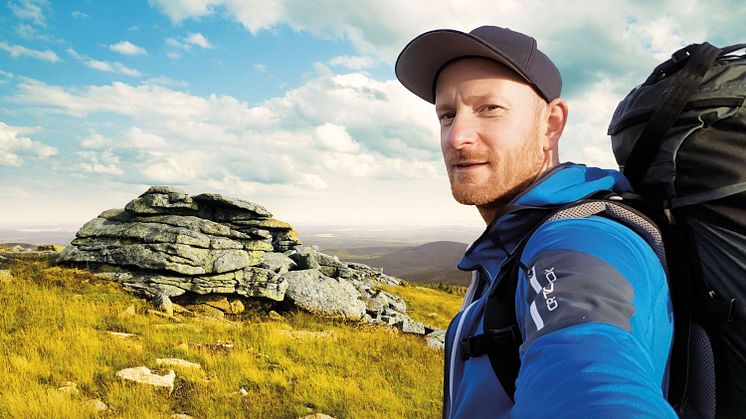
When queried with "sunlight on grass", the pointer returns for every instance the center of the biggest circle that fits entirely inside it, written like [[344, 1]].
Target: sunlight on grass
[[56, 326], [427, 305]]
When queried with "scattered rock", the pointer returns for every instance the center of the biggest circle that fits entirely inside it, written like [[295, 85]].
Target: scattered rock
[[318, 294], [128, 312], [180, 416], [275, 316], [229, 305], [317, 416], [411, 326], [216, 253], [164, 304], [436, 339], [206, 311], [96, 405], [243, 392], [69, 387], [122, 335], [176, 362], [143, 375]]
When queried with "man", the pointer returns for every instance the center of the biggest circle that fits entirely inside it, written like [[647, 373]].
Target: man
[[591, 299]]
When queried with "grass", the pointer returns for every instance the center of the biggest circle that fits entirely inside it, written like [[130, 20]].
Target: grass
[[427, 305], [55, 324]]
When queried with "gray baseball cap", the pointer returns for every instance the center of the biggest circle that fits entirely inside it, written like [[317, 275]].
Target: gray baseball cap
[[421, 61]]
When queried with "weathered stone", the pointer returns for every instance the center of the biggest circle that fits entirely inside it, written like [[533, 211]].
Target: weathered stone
[[411, 326], [319, 294], [122, 335], [317, 416], [204, 310], [117, 214], [96, 405], [174, 257], [180, 416], [143, 375], [229, 305], [270, 224], [164, 304], [127, 313], [275, 316], [225, 208], [277, 262], [176, 362], [258, 282], [69, 387], [163, 200], [436, 339]]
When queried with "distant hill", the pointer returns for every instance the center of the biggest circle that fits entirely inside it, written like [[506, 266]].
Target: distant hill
[[433, 262]]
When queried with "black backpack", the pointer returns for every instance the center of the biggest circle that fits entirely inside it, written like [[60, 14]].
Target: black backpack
[[680, 138]]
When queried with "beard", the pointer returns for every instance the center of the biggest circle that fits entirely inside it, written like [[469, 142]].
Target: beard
[[509, 173]]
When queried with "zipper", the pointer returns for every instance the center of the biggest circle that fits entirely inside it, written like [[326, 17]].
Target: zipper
[[454, 351]]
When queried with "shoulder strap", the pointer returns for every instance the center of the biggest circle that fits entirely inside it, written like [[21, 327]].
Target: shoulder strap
[[501, 338]]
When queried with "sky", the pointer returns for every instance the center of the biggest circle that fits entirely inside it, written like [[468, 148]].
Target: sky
[[290, 104]]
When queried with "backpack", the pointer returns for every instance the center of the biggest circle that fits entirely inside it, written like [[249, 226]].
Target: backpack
[[680, 138]]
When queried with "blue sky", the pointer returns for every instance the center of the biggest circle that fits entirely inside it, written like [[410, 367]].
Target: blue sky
[[290, 104]]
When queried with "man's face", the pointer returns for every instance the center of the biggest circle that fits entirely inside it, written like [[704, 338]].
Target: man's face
[[490, 131]]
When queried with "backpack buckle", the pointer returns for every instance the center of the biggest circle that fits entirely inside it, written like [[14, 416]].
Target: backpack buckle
[[489, 341]]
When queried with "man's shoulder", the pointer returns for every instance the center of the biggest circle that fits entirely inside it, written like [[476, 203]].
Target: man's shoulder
[[603, 238]]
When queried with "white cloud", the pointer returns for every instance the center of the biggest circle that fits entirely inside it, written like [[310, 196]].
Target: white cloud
[[127, 48], [185, 44], [32, 10], [77, 14], [197, 39], [96, 141], [144, 140], [356, 62], [16, 51], [104, 162], [335, 138], [111, 67], [105, 66], [14, 147]]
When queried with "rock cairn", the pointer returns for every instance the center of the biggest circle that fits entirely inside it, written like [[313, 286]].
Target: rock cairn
[[166, 243]]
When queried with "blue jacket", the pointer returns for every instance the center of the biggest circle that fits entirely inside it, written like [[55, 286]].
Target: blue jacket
[[593, 308]]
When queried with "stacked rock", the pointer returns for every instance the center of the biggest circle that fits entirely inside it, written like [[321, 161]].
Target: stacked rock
[[173, 243], [166, 243]]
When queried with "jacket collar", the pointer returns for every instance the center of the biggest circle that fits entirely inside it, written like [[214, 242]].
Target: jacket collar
[[564, 183]]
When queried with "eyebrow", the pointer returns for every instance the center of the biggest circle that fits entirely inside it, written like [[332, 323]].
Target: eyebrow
[[474, 98]]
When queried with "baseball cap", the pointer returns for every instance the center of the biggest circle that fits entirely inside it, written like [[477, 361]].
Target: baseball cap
[[421, 61]]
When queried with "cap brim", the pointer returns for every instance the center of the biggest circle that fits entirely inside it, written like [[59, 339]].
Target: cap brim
[[422, 59]]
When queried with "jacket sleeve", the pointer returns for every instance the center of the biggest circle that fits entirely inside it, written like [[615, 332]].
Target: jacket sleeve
[[595, 313]]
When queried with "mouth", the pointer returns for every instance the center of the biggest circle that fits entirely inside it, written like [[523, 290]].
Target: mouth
[[470, 164]]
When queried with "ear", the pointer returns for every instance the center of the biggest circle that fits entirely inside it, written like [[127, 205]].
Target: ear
[[556, 118]]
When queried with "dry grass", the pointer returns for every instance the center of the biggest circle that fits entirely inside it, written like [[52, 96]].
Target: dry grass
[[427, 305], [54, 326]]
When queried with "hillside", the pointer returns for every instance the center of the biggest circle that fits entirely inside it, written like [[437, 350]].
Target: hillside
[[430, 263], [65, 333]]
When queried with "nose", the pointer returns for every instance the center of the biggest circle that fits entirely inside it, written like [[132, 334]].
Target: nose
[[462, 132]]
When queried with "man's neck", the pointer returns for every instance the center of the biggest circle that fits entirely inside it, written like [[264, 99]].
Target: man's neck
[[490, 211]]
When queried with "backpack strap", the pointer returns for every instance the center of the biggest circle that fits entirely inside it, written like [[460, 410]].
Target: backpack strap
[[501, 338], [698, 58]]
